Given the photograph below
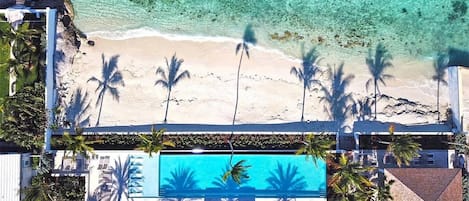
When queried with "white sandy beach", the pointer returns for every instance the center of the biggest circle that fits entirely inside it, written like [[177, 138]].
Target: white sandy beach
[[268, 92]]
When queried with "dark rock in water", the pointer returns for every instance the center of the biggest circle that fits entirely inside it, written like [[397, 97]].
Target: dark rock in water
[[90, 43], [404, 10], [66, 20]]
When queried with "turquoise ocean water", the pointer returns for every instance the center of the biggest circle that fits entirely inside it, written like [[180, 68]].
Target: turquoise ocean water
[[417, 28]]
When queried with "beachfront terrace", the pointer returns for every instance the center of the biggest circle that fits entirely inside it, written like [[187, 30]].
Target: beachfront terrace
[[435, 140]]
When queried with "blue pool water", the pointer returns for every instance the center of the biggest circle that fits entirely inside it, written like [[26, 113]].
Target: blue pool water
[[192, 175]]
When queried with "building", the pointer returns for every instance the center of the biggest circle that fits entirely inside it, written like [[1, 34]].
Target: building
[[429, 184], [16, 174], [371, 138]]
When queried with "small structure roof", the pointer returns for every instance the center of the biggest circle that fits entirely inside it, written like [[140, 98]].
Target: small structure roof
[[425, 183]]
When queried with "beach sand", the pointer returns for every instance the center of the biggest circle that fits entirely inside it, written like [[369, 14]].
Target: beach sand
[[268, 92]]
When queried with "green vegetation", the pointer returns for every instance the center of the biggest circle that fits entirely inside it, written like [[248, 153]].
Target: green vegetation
[[316, 147], [348, 182], [190, 141], [24, 119], [238, 172], [4, 57], [45, 188], [403, 147], [154, 144]]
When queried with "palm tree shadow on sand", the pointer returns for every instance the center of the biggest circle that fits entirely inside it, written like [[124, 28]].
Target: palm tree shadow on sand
[[339, 103], [285, 179], [111, 77], [171, 78], [182, 180], [77, 110], [114, 186], [307, 73]]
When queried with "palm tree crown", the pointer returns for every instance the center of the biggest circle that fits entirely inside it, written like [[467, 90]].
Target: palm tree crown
[[238, 172], [155, 143], [439, 65], [111, 77], [316, 147], [403, 147], [348, 180], [376, 65], [77, 145], [307, 73], [170, 80]]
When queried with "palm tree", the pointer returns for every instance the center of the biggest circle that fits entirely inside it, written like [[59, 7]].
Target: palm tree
[[403, 148], [229, 184], [383, 192], [316, 147], [39, 190], [155, 143], [439, 65], [376, 65], [111, 77], [77, 145], [238, 172], [172, 79], [23, 50], [335, 96], [307, 73], [348, 179], [248, 38]]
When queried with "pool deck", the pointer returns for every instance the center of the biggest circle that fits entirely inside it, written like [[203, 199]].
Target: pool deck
[[100, 166]]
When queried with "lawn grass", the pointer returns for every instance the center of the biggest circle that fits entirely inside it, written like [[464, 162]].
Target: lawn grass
[[4, 56]]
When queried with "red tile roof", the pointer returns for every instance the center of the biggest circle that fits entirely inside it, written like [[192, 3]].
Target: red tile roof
[[428, 183]]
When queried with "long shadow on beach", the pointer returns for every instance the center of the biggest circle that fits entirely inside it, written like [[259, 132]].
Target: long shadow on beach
[[76, 112], [338, 105], [111, 77]]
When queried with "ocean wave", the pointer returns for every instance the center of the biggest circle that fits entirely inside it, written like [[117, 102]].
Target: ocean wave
[[149, 32]]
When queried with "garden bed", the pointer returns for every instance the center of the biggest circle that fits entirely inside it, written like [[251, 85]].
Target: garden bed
[[198, 141]]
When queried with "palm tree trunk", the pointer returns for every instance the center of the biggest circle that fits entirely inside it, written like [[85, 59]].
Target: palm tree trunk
[[376, 101], [100, 108], [167, 106], [438, 100], [236, 106], [303, 106]]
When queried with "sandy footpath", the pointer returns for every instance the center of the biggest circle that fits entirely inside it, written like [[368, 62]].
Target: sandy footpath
[[268, 92]]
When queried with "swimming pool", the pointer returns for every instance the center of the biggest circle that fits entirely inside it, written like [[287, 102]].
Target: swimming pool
[[199, 175]]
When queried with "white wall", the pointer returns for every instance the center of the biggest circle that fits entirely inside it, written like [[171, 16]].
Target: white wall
[[455, 94], [10, 174]]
